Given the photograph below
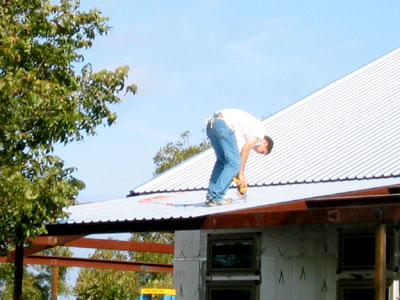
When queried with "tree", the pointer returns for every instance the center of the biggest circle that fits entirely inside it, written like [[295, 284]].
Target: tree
[[176, 152], [91, 284], [48, 95], [160, 280], [37, 283], [99, 284], [167, 157]]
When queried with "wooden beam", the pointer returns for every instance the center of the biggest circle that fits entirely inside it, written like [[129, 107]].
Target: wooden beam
[[54, 240], [380, 262], [136, 266], [340, 200], [78, 241], [43, 243], [354, 214], [122, 245], [44, 240]]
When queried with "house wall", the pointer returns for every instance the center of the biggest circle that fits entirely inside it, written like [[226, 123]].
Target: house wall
[[188, 264], [297, 262]]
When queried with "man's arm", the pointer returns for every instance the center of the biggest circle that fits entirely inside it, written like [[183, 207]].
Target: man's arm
[[244, 154]]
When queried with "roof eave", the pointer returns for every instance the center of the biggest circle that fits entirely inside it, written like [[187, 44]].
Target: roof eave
[[374, 205]]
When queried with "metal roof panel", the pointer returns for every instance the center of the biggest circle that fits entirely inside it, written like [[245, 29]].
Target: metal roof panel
[[345, 137], [348, 129], [191, 204]]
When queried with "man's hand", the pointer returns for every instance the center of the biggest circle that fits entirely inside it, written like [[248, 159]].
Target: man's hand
[[242, 181], [241, 195], [244, 154], [242, 186], [241, 190]]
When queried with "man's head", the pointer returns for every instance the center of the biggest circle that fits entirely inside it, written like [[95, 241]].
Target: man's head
[[265, 146]]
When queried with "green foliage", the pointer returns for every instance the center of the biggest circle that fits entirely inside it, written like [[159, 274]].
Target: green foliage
[[175, 152], [161, 280], [99, 284], [29, 287], [37, 278], [167, 157], [44, 100], [94, 284]]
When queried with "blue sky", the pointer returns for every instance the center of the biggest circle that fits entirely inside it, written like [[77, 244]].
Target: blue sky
[[190, 58]]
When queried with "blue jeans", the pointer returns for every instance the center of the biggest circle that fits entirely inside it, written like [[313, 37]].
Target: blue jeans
[[228, 162]]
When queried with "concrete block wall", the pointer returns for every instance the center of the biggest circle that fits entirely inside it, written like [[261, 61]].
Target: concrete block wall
[[297, 263], [187, 265]]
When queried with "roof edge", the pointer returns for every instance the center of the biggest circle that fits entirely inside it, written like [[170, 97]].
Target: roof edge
[[133, 193]]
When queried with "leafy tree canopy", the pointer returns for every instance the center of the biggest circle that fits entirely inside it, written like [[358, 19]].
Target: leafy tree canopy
[[44, 100], [37, 283], [160, 280], [99, 284], [95, 283], [174, 153]]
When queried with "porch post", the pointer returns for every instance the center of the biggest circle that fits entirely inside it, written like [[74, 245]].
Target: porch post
[[18, 271], [380, 262], [54, 290]]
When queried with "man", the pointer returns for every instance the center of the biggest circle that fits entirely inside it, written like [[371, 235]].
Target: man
[[233, 133]]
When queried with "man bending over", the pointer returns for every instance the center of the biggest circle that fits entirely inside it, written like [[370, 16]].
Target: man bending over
[[233, 133]]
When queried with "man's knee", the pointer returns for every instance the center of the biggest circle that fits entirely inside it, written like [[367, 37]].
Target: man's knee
[[235, 164]]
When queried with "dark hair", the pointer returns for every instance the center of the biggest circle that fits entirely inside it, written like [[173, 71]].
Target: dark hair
[[270, 143]]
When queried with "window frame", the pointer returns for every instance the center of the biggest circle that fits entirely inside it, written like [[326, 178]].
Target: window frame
[[347, 284], [254, 269], [343, 234], [235, 285]]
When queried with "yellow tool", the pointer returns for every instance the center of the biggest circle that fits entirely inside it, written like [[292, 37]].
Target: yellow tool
[[147, 293], [242, 191]]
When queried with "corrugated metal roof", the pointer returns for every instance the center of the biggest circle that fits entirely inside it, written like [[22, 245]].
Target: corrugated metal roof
[[184, 205], [347, 130], [342, 138]]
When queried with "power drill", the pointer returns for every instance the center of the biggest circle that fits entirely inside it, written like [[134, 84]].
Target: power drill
[[242, 191]]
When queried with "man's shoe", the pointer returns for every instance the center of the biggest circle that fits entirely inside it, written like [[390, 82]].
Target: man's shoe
[[218, 203], [226, 201]]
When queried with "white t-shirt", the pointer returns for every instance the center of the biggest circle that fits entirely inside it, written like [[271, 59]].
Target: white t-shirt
[[243, 124]]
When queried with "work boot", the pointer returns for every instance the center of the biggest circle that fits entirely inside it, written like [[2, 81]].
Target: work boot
[[218, 203]]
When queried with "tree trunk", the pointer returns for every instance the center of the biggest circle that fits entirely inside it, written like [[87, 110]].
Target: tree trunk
[[18, 271]]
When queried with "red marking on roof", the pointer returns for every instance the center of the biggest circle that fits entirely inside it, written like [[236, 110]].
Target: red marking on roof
[[149, 199]]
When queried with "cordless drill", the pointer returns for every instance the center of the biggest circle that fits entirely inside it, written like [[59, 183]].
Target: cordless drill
[[242, 191]]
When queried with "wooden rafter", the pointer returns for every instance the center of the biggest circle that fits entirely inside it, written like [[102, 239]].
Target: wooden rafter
[[60, 261], [44, 242], [122, 245]]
